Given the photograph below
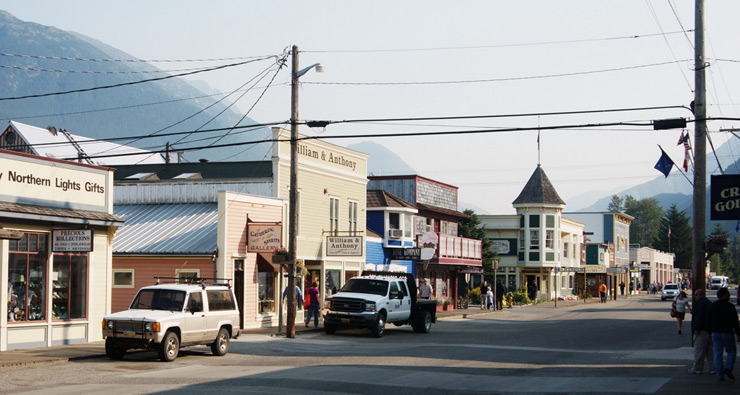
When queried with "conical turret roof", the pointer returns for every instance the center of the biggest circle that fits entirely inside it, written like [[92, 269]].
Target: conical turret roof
[[539, 189]]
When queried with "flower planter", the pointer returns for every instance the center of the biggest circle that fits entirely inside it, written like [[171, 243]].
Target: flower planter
[[280, 257], [714, 247]]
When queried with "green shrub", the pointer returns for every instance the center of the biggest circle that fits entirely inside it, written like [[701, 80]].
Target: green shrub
[[519, 297], [474, 296]]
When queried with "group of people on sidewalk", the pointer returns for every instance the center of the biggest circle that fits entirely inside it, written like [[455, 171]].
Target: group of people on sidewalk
[[715, 326], [489, 296]]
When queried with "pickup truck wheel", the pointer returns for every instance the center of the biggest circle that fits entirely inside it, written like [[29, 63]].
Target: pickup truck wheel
[[220, 346], [330, 329], [423, 323], [379, 327], [113, 350], [169, 348]]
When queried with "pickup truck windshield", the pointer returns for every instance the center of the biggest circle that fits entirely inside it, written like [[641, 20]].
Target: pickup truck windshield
[[366, 286], [159, 299]]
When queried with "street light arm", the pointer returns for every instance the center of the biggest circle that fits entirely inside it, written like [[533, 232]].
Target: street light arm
[[318, 66]]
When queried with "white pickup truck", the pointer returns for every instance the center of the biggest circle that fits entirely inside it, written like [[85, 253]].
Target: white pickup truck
[[377, 298], [167, 316]]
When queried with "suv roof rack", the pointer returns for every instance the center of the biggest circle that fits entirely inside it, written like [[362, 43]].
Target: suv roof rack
[[203, 281]]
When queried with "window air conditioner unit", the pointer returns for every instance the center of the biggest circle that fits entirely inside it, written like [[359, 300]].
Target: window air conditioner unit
[[395, 233]]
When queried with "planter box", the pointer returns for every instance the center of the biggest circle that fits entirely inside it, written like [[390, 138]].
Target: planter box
[[280, 257], [714, 247]]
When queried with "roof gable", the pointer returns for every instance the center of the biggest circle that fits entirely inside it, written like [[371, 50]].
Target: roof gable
[[380, 198]]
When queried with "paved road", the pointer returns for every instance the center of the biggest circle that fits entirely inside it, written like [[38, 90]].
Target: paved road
[[628, 346]]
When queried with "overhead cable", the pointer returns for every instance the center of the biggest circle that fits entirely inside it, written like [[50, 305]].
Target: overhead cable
[[126, 83]]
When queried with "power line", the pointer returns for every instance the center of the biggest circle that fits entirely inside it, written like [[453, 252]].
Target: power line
[[498, 79], [98, 72], [134, 60], [474, 47], [127, 83], [668, 44], [383, 135]]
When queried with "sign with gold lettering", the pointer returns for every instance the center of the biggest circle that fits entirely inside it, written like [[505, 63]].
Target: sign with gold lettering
[[725, 197], [264, 237]]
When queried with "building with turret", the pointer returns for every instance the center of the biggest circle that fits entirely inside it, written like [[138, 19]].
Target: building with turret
[[537, 245]]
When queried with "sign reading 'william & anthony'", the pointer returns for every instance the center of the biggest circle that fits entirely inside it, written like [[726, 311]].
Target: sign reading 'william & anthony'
[[344, 245]]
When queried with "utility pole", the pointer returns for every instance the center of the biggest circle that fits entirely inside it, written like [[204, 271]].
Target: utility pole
[[293, 197], [700, 150]]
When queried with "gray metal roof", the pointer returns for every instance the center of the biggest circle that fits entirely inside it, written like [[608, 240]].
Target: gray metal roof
[[187, 228]]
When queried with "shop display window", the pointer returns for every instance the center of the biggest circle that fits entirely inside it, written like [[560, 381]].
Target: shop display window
[[332, 283], [69, 282], [265, 285], [27, 278]]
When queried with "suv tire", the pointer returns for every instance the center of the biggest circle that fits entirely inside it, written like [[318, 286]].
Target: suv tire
[[169, 348], [220, 346], [379, 327], [113, 350]]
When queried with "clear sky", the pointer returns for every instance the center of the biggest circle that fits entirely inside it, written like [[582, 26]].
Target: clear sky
[[514, 56]]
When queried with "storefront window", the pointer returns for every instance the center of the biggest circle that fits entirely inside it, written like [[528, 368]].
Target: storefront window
[[69, 282], [332, 283], [27, 278], [265, 284]]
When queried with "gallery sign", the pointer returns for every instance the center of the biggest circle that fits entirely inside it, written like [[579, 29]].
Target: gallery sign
[[72, 240], [344, 245], [725, 197], [264, 237]]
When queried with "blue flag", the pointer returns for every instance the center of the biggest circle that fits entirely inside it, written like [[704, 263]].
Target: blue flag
[[665, 163]]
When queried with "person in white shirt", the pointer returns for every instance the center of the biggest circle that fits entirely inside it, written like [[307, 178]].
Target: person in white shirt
[[425, 290]]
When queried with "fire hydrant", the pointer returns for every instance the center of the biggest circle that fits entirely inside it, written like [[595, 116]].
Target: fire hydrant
[[511, 302]]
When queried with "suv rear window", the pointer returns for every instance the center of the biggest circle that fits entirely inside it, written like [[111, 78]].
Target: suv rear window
[[220, 300], [671, 286]]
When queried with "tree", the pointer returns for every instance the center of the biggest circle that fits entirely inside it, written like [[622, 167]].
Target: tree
[[679, 240], [471, 228], [616, 205], [647, 215]]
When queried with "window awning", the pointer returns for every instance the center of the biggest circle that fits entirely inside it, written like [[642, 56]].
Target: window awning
[[264, 263]]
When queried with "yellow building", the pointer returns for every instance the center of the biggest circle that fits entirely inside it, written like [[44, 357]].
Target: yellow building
[[332, 181]]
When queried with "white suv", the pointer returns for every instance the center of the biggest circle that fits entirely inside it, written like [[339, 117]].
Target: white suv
[[670, 291], [167, 316]]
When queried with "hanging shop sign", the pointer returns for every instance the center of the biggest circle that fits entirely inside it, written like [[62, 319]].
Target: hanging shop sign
[[344, 245], [725, 197], [615, 269], [71, 240], [406, 254], [595, 269], [264, 237]]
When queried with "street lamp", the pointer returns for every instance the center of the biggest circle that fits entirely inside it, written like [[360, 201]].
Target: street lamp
[[293, 197]]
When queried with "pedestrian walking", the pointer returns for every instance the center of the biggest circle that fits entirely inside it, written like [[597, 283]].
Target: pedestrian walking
[[679, 307], [632, 287], [499, 295], [700, 330], [621, 288], [313, 307], [483, 291], [602, 292], [723, 322], [425, 290], [489, 298], [532, 291]]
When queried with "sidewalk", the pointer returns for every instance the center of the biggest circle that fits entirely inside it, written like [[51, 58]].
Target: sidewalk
[[71, 352]]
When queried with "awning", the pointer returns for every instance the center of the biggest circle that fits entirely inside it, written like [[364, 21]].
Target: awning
[[264, 263]]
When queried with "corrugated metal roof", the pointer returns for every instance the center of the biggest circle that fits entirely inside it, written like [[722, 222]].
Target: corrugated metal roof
[[44, 143], [188, 228]]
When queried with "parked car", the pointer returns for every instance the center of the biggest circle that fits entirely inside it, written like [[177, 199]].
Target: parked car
[[670, 291], [375, 299], [166, 317]]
